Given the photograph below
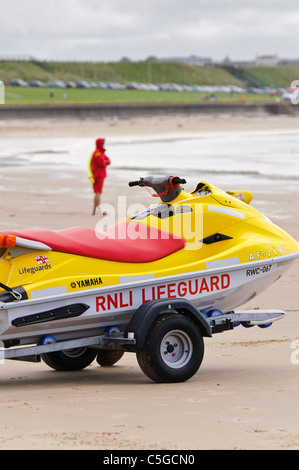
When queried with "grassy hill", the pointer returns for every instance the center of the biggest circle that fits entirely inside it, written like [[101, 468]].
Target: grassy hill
[[280, 76], [155, 72], [122, 72]]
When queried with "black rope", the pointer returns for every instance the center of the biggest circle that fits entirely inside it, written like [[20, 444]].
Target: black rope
[[14, 293]]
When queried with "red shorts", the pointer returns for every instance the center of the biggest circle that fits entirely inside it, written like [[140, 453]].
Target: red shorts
[[98, 185]]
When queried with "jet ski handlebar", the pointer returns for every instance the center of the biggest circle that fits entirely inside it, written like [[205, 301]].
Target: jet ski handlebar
[[166, 187]]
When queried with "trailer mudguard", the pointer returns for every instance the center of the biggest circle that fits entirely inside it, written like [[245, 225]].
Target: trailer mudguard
[[147, 313]]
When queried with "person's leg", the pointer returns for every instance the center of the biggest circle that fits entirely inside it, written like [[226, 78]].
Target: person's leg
[[98, 188], [96, 202]]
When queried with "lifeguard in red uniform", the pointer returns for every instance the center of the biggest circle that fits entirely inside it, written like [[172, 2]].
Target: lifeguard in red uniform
[[97, 171]]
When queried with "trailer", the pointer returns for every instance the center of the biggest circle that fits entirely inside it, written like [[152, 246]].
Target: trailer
[[166, 336]]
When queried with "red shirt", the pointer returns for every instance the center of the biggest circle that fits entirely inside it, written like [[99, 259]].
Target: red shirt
[[98, 163]]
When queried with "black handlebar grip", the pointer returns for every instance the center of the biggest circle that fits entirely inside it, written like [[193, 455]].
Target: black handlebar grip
[[134, 183], [178, 180]]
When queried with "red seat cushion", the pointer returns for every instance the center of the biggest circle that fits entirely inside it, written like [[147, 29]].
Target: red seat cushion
[[130, 242]]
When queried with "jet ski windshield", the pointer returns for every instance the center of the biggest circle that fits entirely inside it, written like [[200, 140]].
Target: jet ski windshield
[[162, 211]]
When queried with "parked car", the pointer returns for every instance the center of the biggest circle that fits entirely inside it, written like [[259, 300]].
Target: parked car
[[256, 91], [237, 89], [18, 82], [281, 91], [56, 84], [70, 84], [101, 85], [114, 86], [292, 97], [82, 84], [132, 86], [37, 83]]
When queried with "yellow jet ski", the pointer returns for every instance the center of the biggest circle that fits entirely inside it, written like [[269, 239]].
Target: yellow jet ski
[[193, 257]]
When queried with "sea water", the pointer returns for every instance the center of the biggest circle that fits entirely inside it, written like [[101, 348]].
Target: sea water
[[230, 159]]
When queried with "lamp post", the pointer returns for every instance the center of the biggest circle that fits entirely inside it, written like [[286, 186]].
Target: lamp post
[[149, 70]]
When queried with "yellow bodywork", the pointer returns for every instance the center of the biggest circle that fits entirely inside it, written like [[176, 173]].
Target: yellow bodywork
[[245, 196], [89, 171], [249, 236]]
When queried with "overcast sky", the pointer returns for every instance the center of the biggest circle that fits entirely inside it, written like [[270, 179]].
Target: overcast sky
[[111, 29]]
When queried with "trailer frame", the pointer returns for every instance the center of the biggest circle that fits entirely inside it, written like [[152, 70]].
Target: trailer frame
[[127, 341]]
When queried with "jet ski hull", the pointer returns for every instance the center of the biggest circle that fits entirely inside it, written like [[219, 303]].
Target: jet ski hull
[[89, 312]]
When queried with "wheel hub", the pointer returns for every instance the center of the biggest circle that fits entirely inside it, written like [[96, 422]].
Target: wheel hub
[[176, 349]]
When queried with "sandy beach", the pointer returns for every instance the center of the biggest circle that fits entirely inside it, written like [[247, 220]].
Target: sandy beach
[[154, 125], [245, 395]]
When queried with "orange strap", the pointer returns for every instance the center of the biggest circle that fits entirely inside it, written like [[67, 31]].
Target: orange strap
[[7, 241]]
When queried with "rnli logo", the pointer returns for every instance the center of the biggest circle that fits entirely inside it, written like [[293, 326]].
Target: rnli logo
[[42, 260]]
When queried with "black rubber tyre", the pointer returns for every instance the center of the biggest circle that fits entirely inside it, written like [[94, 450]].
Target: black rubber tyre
[[173, 350], [70, 359], [107, 358]]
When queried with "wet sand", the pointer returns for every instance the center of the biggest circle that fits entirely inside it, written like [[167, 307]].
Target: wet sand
[[168, 124], [244, 396]]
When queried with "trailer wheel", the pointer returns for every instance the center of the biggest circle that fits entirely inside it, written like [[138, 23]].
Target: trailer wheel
[[70, 359], [107, 358], [173, 349]]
